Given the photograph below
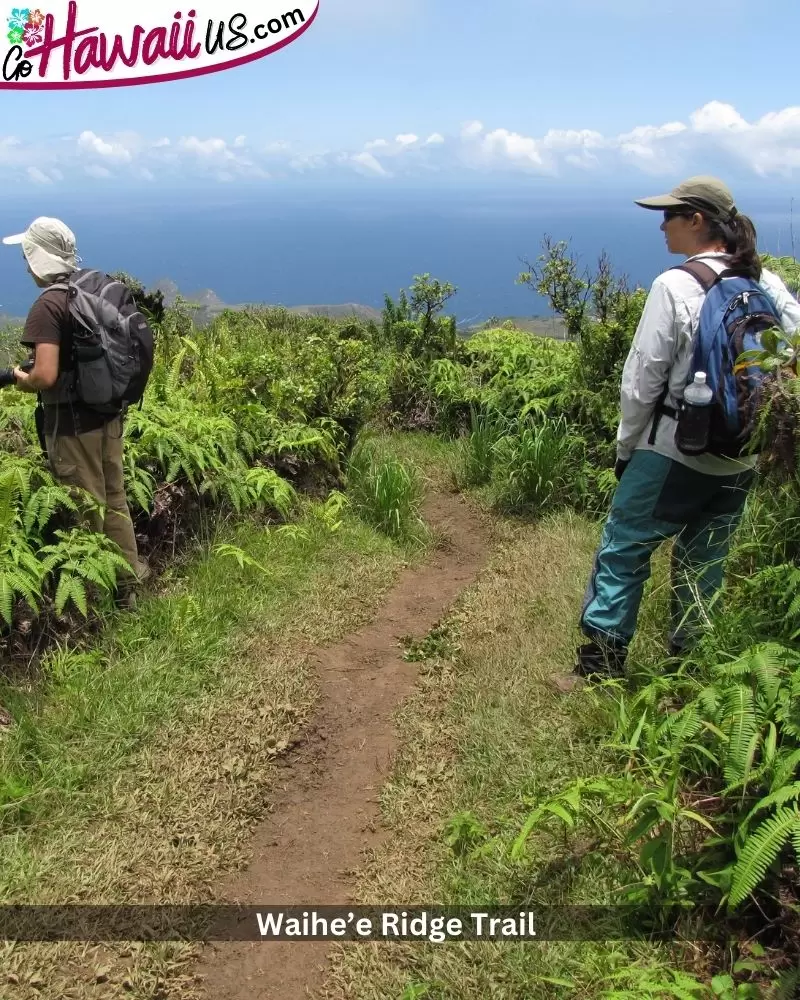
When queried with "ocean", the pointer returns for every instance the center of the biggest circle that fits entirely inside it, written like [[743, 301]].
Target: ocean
[[335, 246]]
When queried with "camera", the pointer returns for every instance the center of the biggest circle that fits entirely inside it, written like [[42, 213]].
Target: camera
[[7, 374]]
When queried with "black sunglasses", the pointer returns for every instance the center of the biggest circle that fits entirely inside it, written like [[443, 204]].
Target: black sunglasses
[[677, 213]]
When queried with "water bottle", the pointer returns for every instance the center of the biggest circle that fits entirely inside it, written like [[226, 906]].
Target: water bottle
[[694, 418]]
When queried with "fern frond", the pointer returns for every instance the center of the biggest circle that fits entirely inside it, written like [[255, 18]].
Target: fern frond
[[786, 766], [789, 793], [761, 851], [739, 725]]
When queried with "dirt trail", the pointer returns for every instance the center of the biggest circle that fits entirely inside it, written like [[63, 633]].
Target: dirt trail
[[325, 811]]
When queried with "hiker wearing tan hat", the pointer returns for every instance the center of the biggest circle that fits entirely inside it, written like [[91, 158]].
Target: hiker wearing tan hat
[[84, 444], [683, 462]]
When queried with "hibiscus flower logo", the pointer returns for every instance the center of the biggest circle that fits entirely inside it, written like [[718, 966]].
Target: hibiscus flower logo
[[33, 34], [16, 24], [19, 18], [26, 26]]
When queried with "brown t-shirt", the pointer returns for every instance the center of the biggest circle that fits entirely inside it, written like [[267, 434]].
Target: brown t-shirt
[[49, 322]]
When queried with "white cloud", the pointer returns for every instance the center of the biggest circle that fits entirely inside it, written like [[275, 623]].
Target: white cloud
[[715, 133], [714, 138], [715, 117], [39, 176], [91, 143], [207, 147], [366, 162], [305, 162], [512, 146], [471, 130]]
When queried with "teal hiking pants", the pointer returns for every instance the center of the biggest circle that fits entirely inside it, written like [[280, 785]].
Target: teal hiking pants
[[658, 499]]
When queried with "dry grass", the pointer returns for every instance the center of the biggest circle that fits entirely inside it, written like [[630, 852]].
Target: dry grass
[[178, 815], [485, 729]]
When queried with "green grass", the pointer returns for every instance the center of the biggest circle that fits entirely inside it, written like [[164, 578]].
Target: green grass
[[137, 767], [385, 493], [485, 735], [95, 709]]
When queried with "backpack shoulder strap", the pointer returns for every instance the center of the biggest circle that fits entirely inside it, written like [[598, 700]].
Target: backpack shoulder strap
[[701, 272]]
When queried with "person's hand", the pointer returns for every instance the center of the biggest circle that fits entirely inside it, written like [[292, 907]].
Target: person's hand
[[620, 467], [22, 380]]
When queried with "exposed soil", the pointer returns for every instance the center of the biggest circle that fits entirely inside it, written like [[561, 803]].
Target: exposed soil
[[325, 808]]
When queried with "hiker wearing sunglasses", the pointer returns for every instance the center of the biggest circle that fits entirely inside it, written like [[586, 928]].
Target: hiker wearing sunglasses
[[683, 463]]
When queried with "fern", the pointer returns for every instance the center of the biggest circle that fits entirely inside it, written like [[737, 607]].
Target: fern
[[44, 504], [785, 767], [266, 488], [14, 585], [79, 558], [786, 986], [740, 726], [760, 852], [678, 729], [227, 551], [71, 588], [679, 986], [789, 793], [140, 484]]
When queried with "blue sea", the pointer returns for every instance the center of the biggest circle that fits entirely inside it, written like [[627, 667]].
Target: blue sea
[[332, 246]]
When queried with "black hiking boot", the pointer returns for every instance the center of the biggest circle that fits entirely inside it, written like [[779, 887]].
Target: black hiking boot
[[600, 661]]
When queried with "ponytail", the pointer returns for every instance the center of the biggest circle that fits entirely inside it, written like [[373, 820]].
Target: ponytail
[[739, 236]]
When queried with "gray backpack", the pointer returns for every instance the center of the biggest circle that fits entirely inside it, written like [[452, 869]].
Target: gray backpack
[[112, 345]]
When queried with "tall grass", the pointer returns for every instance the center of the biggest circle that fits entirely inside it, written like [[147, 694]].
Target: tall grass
[[477, 452], [385, 493], [536, 469]]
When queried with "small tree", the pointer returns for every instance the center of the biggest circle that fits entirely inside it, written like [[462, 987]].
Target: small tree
[[556, 277], [608, 292], [428, 298], [414, 323]]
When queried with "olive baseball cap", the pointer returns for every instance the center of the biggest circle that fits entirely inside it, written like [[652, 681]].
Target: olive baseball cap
[[703, 193]]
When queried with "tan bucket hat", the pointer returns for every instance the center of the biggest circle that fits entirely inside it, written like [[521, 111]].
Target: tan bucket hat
[[49, 248]]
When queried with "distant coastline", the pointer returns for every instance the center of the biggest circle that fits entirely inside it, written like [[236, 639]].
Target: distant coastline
[[205, 305]]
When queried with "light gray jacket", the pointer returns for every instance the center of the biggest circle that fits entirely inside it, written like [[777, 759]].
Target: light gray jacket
[[662, 349]]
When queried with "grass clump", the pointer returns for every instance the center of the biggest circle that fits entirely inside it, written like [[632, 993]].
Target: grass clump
[[385, 493]]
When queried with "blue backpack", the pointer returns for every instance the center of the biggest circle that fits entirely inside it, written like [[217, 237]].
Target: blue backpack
[[735, 314]]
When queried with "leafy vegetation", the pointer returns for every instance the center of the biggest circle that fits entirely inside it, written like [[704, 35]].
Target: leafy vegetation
[[689, 789], [698, 798]]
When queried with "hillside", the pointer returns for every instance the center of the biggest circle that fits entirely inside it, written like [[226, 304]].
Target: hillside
[[541, 326], [207, 304]]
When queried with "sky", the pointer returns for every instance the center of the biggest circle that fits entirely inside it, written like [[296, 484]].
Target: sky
[[581, 94]]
